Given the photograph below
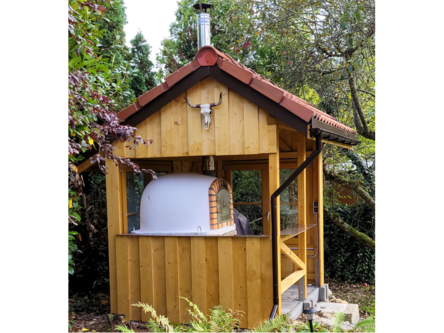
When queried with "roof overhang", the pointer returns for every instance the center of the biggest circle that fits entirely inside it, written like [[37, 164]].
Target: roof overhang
[[332, 133]]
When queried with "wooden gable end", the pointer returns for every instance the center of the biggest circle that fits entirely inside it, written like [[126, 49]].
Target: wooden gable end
[[238, 126]]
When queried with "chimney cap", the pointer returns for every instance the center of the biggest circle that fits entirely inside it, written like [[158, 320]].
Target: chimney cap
[[203, 6]]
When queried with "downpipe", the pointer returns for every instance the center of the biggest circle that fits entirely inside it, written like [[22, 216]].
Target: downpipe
[[317, 133]]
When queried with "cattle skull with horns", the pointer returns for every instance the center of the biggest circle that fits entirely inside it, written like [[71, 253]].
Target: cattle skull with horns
[[205, 110]]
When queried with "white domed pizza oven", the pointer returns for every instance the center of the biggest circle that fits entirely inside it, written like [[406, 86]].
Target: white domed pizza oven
[[187, 203]]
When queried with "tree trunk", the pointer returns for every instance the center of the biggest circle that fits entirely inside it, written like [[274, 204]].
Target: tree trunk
[[359, 236]]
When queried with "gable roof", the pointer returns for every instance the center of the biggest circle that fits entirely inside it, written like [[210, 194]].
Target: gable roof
[[290, 109]]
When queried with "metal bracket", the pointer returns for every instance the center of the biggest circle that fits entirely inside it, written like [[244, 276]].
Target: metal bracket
[[317, 276], [301, 289]]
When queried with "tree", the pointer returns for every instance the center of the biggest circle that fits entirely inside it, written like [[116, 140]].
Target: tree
[[92, 96], [324, 52], [143, 78], [181, 47], [112, 46]]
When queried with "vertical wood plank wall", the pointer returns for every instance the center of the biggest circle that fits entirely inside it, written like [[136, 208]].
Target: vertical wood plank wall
[[235, 272], [238, 126]]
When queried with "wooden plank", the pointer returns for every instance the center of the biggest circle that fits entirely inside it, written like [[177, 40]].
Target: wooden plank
[[240, 279], [290, 255], [154, 133], [208, 136], [302, 203], [194, 121], [251, 127], [221, 120], [167, 129], [273, 139], [172, 278], [254, 297], [263, 132], [287, 237], [129, 152], [283, 146], [123, 278], [142, 150], [320, 175], [124, 201], [134, 273], [146, 274], [236, 115], [158, 247], [185, 285], [291, 279], [114, 211], [198, 279], [266, 277], [225, 252], [180, 126], [211, 273]]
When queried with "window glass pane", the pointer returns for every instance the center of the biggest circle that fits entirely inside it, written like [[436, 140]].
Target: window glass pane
[[135, 184], [288, 200], [254, 215], [247, 185]]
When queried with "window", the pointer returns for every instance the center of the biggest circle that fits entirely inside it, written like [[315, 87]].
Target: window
[[134, 185], [249, 185], [288, 200]]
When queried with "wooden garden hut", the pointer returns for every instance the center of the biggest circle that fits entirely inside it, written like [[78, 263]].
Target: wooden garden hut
[[258, 126]]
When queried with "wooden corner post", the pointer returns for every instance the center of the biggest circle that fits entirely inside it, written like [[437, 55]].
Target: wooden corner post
[[320, 175], [274, 183], [302, 205], [114, 209]]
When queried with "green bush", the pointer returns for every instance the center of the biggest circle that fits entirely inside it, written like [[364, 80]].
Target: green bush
[[345, 258]]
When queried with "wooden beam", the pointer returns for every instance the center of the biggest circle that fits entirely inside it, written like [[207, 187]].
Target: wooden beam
[[293, 257], [284, 145], [320, 175], [339, 144], [274, 183], [302, 203], [114, 210], [291, 280], [287, 237]]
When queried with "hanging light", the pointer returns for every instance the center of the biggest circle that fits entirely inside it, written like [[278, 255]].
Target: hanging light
[[310, 314]]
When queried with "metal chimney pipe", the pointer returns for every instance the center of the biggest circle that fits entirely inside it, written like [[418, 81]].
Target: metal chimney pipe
[[203, 25]]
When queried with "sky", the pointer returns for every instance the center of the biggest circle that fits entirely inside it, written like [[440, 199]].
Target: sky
[[153, 18]]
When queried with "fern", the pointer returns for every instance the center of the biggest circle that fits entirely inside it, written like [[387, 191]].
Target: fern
[[338, 320], [277, 324], [223, 320], [366, 325], [158, 323], [123, 328], [194, 311]]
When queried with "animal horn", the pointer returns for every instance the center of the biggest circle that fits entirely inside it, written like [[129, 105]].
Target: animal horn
[[218, 103], [192, 105]]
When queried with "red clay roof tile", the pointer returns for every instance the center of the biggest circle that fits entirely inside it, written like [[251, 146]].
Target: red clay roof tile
[[178, 75], [152, 94], [297, 108], [130, 110], [266, 89], [207, 57], [239, 73]]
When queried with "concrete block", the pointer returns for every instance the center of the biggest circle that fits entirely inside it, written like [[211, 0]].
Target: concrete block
[[351, 313], [307, 304], [323, 293]]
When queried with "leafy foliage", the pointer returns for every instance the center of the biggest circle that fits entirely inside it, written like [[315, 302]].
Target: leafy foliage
[[345, 258], [366, 325], [219, 321], [92, 99]]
